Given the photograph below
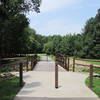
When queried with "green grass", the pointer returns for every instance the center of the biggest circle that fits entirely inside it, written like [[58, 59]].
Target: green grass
[[86, 69], [51, 56], [80, 69], [96, 85], [9, 89], [97, 70], [42, 54], [92, 62], [8, 61]]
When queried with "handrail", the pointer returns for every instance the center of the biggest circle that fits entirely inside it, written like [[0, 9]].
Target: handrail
[[14, 63], [12, 58], [19, 65], [96, 66], [91, 68], [63, 61], [94, 60]]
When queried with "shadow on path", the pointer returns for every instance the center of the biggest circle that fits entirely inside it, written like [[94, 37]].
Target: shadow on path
[[32, 85]]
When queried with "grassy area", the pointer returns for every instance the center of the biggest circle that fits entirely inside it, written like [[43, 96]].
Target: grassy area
[[11, 59], [96, 81], [96, 85], [42, 54], [80, 69], [51, 56], [85, 69], [9, 89], [92, 62], [8, 61], [97, 70]]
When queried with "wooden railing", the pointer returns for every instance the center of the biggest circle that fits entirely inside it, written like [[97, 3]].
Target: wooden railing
[[64, 61], [21, 64], [90, 67], [14, 66]]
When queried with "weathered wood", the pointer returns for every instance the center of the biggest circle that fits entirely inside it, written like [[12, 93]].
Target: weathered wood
[[16, 63], [56, 75], [80, 64], [27, 63], [31, 62], [91, 77], [13, 58], [86, 64], [73, 64], [21, 74], [94, 60], [68, 63]]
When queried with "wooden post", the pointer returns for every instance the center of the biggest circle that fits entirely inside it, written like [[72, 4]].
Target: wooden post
[[56, 75], [68, 63], [31, 62], [65, 63], [91, 76], [73, 64], [27, 63], [21, 74], [34, 61]]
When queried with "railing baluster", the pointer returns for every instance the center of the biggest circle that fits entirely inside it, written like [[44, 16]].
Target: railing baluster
[[91, 77], [21, 74]]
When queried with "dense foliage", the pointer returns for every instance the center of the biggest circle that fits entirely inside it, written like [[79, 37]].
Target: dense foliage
[[17, 38], [13, 24], [92, 37], [86, 45]]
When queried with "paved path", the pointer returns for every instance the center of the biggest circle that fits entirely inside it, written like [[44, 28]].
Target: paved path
[[40, 85], [45, 58]]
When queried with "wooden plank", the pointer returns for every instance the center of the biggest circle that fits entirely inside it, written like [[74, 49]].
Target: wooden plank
[[91, 76], [56, 75], [21, 74], [68, 63], [94, 60], [12, 58], [27, 63], [14, 63], [74, 64], [86, 64], [80, 64]]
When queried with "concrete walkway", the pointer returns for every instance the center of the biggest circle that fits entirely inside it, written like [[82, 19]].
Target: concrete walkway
[[40, 85]]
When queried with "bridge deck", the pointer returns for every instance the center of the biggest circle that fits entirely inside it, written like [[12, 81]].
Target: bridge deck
[[40, 85]]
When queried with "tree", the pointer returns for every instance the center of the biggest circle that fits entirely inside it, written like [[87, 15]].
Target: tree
[[32, 45], [92, 37], [13, 22], [48, 48]]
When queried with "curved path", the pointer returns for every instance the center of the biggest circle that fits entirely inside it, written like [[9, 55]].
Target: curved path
[[40, 84]]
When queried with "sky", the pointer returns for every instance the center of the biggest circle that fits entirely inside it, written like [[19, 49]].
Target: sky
[[61, 17]]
